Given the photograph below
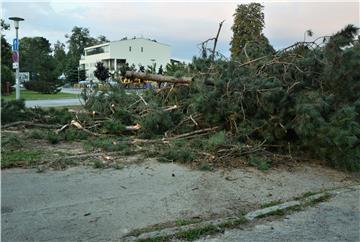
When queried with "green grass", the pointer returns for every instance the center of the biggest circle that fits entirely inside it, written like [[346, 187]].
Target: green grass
[[20, 158], [190, 234], [270, 204], [31, 95]]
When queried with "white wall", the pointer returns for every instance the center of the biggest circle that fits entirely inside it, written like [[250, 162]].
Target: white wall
[[153, 52]]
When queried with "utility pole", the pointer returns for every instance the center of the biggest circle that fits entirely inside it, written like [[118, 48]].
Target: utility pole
[[16, 55]]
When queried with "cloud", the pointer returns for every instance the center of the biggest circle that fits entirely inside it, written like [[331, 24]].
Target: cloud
[[287, 22], [182, 25]]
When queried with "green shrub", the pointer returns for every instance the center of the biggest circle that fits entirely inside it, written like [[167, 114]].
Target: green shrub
[[46, 87], [177, 154], [156, 123], [11, 142], [37, 134], [12, 111], [72, 134], [20, 158], [215, 140], [108, 144], [98, 164], [114, 127], [6, 76], [262, 163], [53, 138], [205, 166]]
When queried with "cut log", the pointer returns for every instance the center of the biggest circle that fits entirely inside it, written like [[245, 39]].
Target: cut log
[[157, 78], [28, 123]]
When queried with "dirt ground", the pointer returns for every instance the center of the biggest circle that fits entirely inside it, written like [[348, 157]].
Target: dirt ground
[[82, 203]]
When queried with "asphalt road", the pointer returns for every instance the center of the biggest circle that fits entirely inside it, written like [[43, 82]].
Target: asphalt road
[[71, 90], [335, 220], [100, 205], [53, 103]]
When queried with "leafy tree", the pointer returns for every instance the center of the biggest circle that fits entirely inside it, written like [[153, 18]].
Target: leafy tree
[[36, 59], [151, 68], [102, 39], [59, 58], [247, 30], [141, 68], [160, 71], [78, 40], [101, 72], [7, 74], [176, 68]]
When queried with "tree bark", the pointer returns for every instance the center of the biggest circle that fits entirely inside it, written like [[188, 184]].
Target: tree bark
[[157, 78]]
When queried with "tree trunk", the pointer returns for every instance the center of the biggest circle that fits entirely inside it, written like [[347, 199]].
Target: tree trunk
[[157, 78]]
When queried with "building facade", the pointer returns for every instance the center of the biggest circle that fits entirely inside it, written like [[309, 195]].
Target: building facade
[[137, 51]]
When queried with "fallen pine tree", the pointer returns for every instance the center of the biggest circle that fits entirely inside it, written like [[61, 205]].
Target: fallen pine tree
[[298, 103], [157, 78]]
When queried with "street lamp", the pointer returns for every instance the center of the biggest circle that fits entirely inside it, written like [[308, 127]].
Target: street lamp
[[16, 57]]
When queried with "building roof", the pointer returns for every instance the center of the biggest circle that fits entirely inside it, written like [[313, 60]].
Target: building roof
[[132, 39]]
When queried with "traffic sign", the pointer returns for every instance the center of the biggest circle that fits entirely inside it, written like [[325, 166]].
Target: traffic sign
[[15, 46], [15, 57], [15, 65]]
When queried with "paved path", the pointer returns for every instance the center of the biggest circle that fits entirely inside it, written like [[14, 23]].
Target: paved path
[[53, 103], [101, 205], [335, 220], [71, 90]]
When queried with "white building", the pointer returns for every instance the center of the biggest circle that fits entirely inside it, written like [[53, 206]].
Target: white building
[[137, 51]]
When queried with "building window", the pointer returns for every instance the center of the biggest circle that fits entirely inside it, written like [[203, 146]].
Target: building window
[[129, 48], [142, 49]]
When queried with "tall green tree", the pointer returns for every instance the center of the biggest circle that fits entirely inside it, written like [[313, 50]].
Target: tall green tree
[[59, 58], [247, 30], [7, 74], [77, 41], [36, 58]]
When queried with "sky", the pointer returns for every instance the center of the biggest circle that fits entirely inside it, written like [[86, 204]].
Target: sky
[[182, 25]]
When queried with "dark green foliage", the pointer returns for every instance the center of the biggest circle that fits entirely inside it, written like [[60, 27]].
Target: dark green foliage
[[98, 164], [261, 163], [72, 134], [36, 58], [53, 138], [215, 140], [7, 78], [11, 142], [46, 87], [59, 58], [302, 101], [7, 74], [156, 123], [37, 134], [177, 69], [160, 71], [247, 33], [114, 127], [101, 72], [77, 40], [178, 154], [12, 111]]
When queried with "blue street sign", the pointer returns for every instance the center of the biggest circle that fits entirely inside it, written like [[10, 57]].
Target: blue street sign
[[15, 45]]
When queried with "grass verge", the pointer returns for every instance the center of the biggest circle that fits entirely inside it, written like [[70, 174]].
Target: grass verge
[[31, 95]]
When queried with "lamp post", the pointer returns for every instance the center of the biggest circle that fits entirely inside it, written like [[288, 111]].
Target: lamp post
[[16, 57]]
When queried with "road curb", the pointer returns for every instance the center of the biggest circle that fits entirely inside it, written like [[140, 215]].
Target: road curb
[[220, 223]]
